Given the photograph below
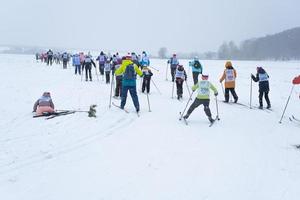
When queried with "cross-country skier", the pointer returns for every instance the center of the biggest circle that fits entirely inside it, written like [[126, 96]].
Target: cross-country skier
[[229, 75], [44, 104], [107, 69], [102, 60], [180, 76], [145, 62], [173, 65], [203, 97], [263, 78], [49, 57], [146, 79], [76, 63], [65, 58], [196, 69], [129, 70], [118, 89], [87, 64]]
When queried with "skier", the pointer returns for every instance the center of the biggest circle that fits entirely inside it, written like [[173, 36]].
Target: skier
[[263, 78], [50, 57], [229, 75], [135, 59], [145, 62], [77, 64], [196, 69], [173, 65], [146, 79], [203, 97], [87, 64], [107, 69], [102, 60], [43, 104], [37, 57], [65, 58], [129, 70], [180, 76], [118, 89]]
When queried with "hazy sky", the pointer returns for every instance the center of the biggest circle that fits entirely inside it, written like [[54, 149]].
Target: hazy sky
[[181, 26]]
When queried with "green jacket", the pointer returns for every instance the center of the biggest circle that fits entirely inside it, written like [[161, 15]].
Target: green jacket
[[122, 69], [204, 87]]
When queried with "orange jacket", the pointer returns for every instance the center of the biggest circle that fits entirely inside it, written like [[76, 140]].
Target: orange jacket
[[229, 75]]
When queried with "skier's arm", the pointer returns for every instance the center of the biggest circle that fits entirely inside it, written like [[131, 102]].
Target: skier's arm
[[35, 105], [138, 71], [213, 88], [195, 87], [120, 70], [51, 104], [255, 79], [223, 77], [94, 63]]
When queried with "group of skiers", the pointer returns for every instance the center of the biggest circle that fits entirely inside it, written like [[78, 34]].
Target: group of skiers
[[203, 86], [125, 70]]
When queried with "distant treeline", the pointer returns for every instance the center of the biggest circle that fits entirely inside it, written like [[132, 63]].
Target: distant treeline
[[280, 46]]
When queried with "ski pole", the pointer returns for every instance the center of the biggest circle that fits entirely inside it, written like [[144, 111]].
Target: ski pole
[[286, 104], [154, 69], [97, 74], [167, 71], [186, 105], [222, 89], [173, 89], [82, 70], [148, 102], [156, 86], [188, 89], [217, 107], [111, 88], [251, 93], [72, 110]]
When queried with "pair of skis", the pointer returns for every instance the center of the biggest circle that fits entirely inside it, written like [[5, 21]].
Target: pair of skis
[[126, 111], [51, 115], [186, 122], [294, 119]]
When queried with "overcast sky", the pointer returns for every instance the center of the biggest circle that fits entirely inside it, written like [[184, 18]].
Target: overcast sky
[[181, 26]]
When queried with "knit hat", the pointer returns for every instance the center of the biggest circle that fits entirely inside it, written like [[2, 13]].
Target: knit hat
[[228, 64], [204, 76]]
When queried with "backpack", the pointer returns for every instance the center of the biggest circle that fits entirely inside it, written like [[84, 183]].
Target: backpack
[[129, 73], [197, 64]]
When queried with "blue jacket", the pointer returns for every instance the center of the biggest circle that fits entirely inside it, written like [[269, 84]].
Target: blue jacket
[[76, 60], [194, 69]]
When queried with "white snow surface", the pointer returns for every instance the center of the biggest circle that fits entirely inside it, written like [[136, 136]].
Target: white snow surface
[[246, 155]]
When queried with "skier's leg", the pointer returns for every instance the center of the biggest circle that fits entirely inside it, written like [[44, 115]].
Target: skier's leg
[[194, 105], [267, 99], [226, 95], [232, 90], [124, 96], [144, 84], [148, 85], [260, 99], [206, 108], [134, 97]]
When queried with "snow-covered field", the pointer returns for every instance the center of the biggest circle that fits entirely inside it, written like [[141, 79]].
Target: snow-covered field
[[247, 155]]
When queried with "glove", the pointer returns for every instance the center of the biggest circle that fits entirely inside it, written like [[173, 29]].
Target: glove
[[216, 94]]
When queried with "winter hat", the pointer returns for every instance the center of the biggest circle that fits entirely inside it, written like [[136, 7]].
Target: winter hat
[[228, 64], [46, 94], [174, 55], [180, 68], [128, 57], [204, 76]]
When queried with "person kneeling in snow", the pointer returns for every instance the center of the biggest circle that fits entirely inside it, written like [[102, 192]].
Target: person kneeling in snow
[[44, 104], [203, 87]]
